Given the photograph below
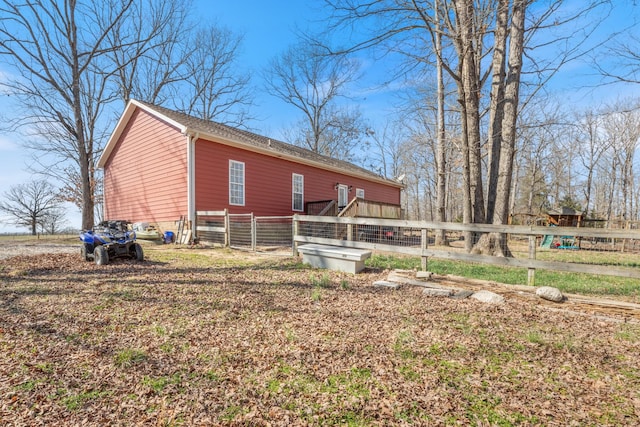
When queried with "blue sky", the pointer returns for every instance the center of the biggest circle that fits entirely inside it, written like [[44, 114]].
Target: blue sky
[[268, 29]]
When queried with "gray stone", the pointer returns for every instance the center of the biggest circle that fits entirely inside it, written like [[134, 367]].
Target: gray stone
[[550, 293], [432, 292], [423, 275], [394, 277], [462, 294], [488, 297], [385, 284]]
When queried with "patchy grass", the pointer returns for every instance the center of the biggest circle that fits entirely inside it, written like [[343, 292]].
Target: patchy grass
[[586, 284], [218, 337]]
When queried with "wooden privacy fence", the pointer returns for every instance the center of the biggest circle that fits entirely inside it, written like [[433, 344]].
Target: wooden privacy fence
[[525, 242]]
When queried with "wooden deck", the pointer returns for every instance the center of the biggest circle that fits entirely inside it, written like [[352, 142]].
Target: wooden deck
[[357, 208]]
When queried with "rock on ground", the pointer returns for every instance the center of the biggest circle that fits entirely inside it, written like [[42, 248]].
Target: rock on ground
[[385, 284], [550, 293], [488, 297], [433, 292]]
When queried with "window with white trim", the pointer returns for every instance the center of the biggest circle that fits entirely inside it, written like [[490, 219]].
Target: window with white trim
[[297, 192], [236, 183], [360, 193]]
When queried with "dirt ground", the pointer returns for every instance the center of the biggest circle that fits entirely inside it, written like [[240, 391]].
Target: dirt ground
[[219, 337]]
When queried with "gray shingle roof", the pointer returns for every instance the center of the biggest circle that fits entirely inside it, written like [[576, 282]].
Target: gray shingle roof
[[220, 130]]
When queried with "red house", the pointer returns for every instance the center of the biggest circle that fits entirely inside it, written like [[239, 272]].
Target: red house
[[160, 164]]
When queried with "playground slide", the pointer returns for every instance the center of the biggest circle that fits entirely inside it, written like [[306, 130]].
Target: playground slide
[[546, 241]]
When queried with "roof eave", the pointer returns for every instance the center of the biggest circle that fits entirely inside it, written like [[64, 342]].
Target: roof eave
[[270, 152]]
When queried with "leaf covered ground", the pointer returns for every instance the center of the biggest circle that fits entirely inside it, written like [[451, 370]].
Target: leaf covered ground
[[213, 337]]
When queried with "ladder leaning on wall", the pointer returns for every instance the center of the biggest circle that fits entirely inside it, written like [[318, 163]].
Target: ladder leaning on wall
[[180, 232]]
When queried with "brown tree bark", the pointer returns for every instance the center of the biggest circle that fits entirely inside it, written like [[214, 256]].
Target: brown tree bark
[[496, 243], [496, 104], [441, 157]]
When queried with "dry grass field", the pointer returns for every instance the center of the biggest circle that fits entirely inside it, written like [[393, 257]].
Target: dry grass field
[[217, 337]]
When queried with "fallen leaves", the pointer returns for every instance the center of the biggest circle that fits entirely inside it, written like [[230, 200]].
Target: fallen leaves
[[176, 341]]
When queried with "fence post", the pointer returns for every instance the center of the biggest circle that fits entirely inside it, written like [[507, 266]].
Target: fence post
[[423, 247], [349, 231], [295, 234], [227, 231], [254, 231], [531, 272]]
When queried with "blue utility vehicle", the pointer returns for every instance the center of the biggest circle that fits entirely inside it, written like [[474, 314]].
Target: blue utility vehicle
[[109, 240]]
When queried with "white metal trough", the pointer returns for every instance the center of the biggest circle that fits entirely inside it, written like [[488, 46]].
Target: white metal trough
[[349, 260]]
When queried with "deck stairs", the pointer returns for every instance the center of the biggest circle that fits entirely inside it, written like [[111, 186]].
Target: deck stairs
[[356, 208]]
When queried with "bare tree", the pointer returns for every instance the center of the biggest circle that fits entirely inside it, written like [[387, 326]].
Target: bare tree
[[441, 157], [57, 49], [149, 67], [74, 58], [622, 124], [52, 221], [510, 32], [31, 204], [311, 81], [212, 88], [620, 62], [589, 137], [507, 112], [385, 154]]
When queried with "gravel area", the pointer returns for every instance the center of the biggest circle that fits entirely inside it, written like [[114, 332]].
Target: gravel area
[[12, 249]]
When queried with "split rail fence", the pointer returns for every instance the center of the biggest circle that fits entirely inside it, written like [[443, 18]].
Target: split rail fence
[[614, 252], [570, 249]]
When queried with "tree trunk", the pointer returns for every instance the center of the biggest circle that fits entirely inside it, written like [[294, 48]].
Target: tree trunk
[[467, 213], [468, 88], [511, 99], [441, 162], [84, 146], [496, 243], [496, 106]]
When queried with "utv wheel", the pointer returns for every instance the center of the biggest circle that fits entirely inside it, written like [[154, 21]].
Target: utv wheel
[[85, 252], [101, 255], [138, 251]]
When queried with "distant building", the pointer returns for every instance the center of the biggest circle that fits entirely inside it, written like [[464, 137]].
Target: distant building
[[565, 217]]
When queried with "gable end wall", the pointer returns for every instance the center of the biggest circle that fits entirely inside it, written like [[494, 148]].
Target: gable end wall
[[145, 178]]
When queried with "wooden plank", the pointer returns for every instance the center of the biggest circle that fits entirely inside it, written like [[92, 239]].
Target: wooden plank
[[482, 228], [209, 228], [210, 213]]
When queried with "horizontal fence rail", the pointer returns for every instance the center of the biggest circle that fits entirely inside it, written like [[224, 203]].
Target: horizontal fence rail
[[570, 249], [614, 252]]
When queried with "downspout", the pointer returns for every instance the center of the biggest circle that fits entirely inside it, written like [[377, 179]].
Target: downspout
[[191, 178]]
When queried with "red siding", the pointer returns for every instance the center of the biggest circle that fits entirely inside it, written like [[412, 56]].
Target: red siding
[[145, 178], [268, 182]]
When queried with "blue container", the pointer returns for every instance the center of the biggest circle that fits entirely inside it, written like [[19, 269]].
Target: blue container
[[168, 237]]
